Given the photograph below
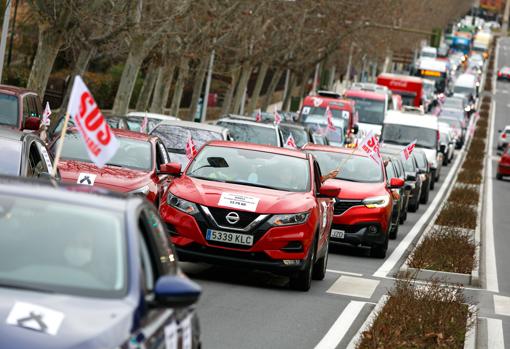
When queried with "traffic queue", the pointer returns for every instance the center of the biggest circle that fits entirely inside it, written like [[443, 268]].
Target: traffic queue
[[109, 205]]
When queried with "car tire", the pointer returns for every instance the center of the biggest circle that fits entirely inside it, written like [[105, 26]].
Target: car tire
[[445, 160], [432, 183], [403, 217], [319, 268], [302, 280], [425, 197], [499, 176], [413, 207], [394, 232], [379, 251]]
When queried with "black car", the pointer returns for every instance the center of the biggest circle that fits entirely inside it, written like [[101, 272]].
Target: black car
[[398, 197], [424, 169], [100, 262], [24, 155]]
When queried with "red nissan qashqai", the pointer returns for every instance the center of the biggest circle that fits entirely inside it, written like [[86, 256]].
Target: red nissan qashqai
[[252, 205]]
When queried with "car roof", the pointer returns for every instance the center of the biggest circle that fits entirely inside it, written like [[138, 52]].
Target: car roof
[[14, 90], [411, 119], [291, 125], [365, 94], [246, 122], [433, 64], [400, 77], [259, 147], [141, 114], [332, 149], [11, 133], [465, 80], [76, 194], [191, 124], [124, 134]]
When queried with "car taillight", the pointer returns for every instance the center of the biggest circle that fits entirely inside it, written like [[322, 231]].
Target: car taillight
[[503, 136], [499, 74], [438, 136]]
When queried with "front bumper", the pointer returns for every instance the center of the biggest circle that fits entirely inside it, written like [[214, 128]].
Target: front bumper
[[280, 249], [504, 170]]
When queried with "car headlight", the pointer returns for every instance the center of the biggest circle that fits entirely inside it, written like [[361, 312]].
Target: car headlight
[[289, 219], [181, 204], [377, 201], [143, 190]]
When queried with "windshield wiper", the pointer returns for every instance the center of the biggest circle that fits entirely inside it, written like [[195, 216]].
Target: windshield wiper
[[208, 178], [255, 185], [26, 287], [176, 150]]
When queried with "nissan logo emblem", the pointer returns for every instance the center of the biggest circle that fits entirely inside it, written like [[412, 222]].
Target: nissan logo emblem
[[232, 217]]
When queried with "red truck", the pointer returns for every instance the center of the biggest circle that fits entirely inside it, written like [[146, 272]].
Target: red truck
[[410, 88]]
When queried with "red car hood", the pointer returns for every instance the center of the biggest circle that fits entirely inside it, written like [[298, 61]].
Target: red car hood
[[359, 191], [208, 193], [115, 178]]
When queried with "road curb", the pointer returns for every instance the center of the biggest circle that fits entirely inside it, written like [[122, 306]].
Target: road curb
[[471, 329], [368, 322]]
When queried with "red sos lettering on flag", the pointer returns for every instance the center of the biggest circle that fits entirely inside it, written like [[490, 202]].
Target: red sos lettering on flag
[[96, 133]]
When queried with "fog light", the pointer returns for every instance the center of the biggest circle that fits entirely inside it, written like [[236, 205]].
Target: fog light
[[291, 261], [372, 229]]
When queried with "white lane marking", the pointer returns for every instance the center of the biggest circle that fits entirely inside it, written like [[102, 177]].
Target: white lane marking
[[491, 271], [478, 289], [503, 91], [368, 322], [337, 332], [502, 305], [354, 287], [495, 338], [402, 247], [343, 272]]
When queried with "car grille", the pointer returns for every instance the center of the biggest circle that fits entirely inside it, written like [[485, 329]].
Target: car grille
[[220, 214], [343, 205]]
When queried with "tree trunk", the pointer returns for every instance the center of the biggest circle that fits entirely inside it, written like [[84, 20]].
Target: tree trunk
[[227, 101], [198, 85], [80, 67], [179, 86], [48, 46], [241, 87], [162, 88], [142, 104], [288, 95], [304, 83], [128, 79], [271, 88], [258, 87]]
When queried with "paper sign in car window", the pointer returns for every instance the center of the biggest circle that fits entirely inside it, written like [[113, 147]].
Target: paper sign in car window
[[306, 110], [35, 317], [243, 202], [171, 336], [86, 179]]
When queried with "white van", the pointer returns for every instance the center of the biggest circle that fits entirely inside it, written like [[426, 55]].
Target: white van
[[466, 84], [401, 128], [428, 52]]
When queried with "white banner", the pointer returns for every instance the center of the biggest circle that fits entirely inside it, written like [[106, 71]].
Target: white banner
[[370, 145], [96, 134]]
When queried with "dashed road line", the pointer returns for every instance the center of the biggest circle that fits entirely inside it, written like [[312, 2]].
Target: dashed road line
[[354, 287], [502, 305], [343, 272], [495, 336]]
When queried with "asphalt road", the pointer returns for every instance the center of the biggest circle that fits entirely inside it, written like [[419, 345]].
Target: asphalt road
[[248, 309], [495, 298]]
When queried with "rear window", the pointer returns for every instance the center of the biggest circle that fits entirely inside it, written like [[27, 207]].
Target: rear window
[[175, 137], [8, 110], [251, 133], [403, 135]]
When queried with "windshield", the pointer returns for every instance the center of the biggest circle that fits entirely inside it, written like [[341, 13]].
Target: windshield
[[135, 123], [421, 159], [8, 110], [251, 133], [370, 111], [87, 260], [337, 114], [300, 136], [409, 164], [464, 90], [354, 168], [132, 153], [426, 54], [252, 168], [335, 137], [403, 135], [175, 137], [10, 161]]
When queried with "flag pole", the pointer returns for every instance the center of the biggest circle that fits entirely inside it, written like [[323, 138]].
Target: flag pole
[[60, 144]]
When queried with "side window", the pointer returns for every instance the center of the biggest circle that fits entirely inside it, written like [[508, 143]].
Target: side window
[[36, 164], [147, 269], [317, 176], [27, 110], [390, 172], [162, 154], [35, 106]]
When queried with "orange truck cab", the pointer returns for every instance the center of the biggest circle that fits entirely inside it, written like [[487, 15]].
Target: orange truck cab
[[410, 88], [344, 113]]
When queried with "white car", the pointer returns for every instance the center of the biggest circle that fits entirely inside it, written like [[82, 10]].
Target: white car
[[504, 137], [447, 142], [402, 128]]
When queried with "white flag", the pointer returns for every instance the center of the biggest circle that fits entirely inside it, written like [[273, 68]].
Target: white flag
[[97, 136], [46, 115], [370, 145]]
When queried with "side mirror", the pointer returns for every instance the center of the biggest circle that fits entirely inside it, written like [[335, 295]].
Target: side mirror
[[396, 183], [32, 123], [172, 168], [442, 148], [499, 131], [355, 129], [173, 291], [329, 190], [411, 177]]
